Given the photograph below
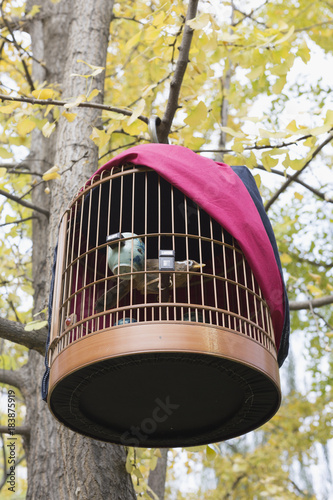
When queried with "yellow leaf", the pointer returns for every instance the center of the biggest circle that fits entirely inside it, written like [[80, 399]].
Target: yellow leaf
[[48, 129], [25, 126], [43, 93], [292, 126], [296, 164], [137, 111], [304, 52], [69, 116], [279, 84], [251, 161], [47, 190], [314, 290], [256, 72], [5, 154], [9, 108], [329, 117], [157, 453], [257, 178], [96, 69], [48, 109], [285, 258], [210, 453], [199, 22], [93, 94], [35, 9], [35, 325], [52, 173], [233, 132], [158, 19], [267, 134], [78, 100], [197, 116], [133, 41], [298, 196], [269, 162], [286, 37], [238, 147], [3, 172], [320, 130], [99, 137]]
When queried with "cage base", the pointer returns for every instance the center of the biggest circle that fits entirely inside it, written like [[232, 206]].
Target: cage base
[[162, 385]]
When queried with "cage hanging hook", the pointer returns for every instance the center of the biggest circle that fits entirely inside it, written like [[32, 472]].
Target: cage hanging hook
[[153, 122]]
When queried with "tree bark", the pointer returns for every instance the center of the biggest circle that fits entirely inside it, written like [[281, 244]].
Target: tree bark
[[62, 464], [157, 477]]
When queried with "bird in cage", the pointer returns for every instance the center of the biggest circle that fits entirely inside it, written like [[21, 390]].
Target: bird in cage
[[148, 282]]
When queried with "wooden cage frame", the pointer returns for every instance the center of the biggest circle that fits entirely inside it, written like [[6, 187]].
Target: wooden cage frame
[[217, 319]]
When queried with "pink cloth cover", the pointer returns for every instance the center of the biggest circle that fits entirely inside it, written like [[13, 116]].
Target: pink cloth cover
[[217, 189]]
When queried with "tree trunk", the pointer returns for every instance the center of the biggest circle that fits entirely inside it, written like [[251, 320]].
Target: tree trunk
[[62, 464]]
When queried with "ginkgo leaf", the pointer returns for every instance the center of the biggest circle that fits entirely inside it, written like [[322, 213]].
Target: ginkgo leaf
[[52, 173], [93, 94], [35, 325], [286, 36], [100, 137], [197, 116], [233, 132], [133, 41], [137, 111], [69, 116], [256, 72], [35, 9], [285, 258], [96, 69], [48, 129], [78, 100], [9, 108], [25, 126], [199, 22], [43, 93], [279, 84], [4, 153]]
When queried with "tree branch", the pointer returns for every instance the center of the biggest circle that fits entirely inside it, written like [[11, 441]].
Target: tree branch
[[23, 430], [12, 377], [298, 173], [15, 332], [24, 203], [296, 305], [95, 105], [176, 82]]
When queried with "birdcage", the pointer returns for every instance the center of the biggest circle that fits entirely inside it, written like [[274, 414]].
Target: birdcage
[[161, 334]]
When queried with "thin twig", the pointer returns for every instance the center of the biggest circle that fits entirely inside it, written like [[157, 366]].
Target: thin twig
[[24, 203], [299, 181], [94, 105], [177, 80], [19, 221], [298, 173], [16, 45]]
